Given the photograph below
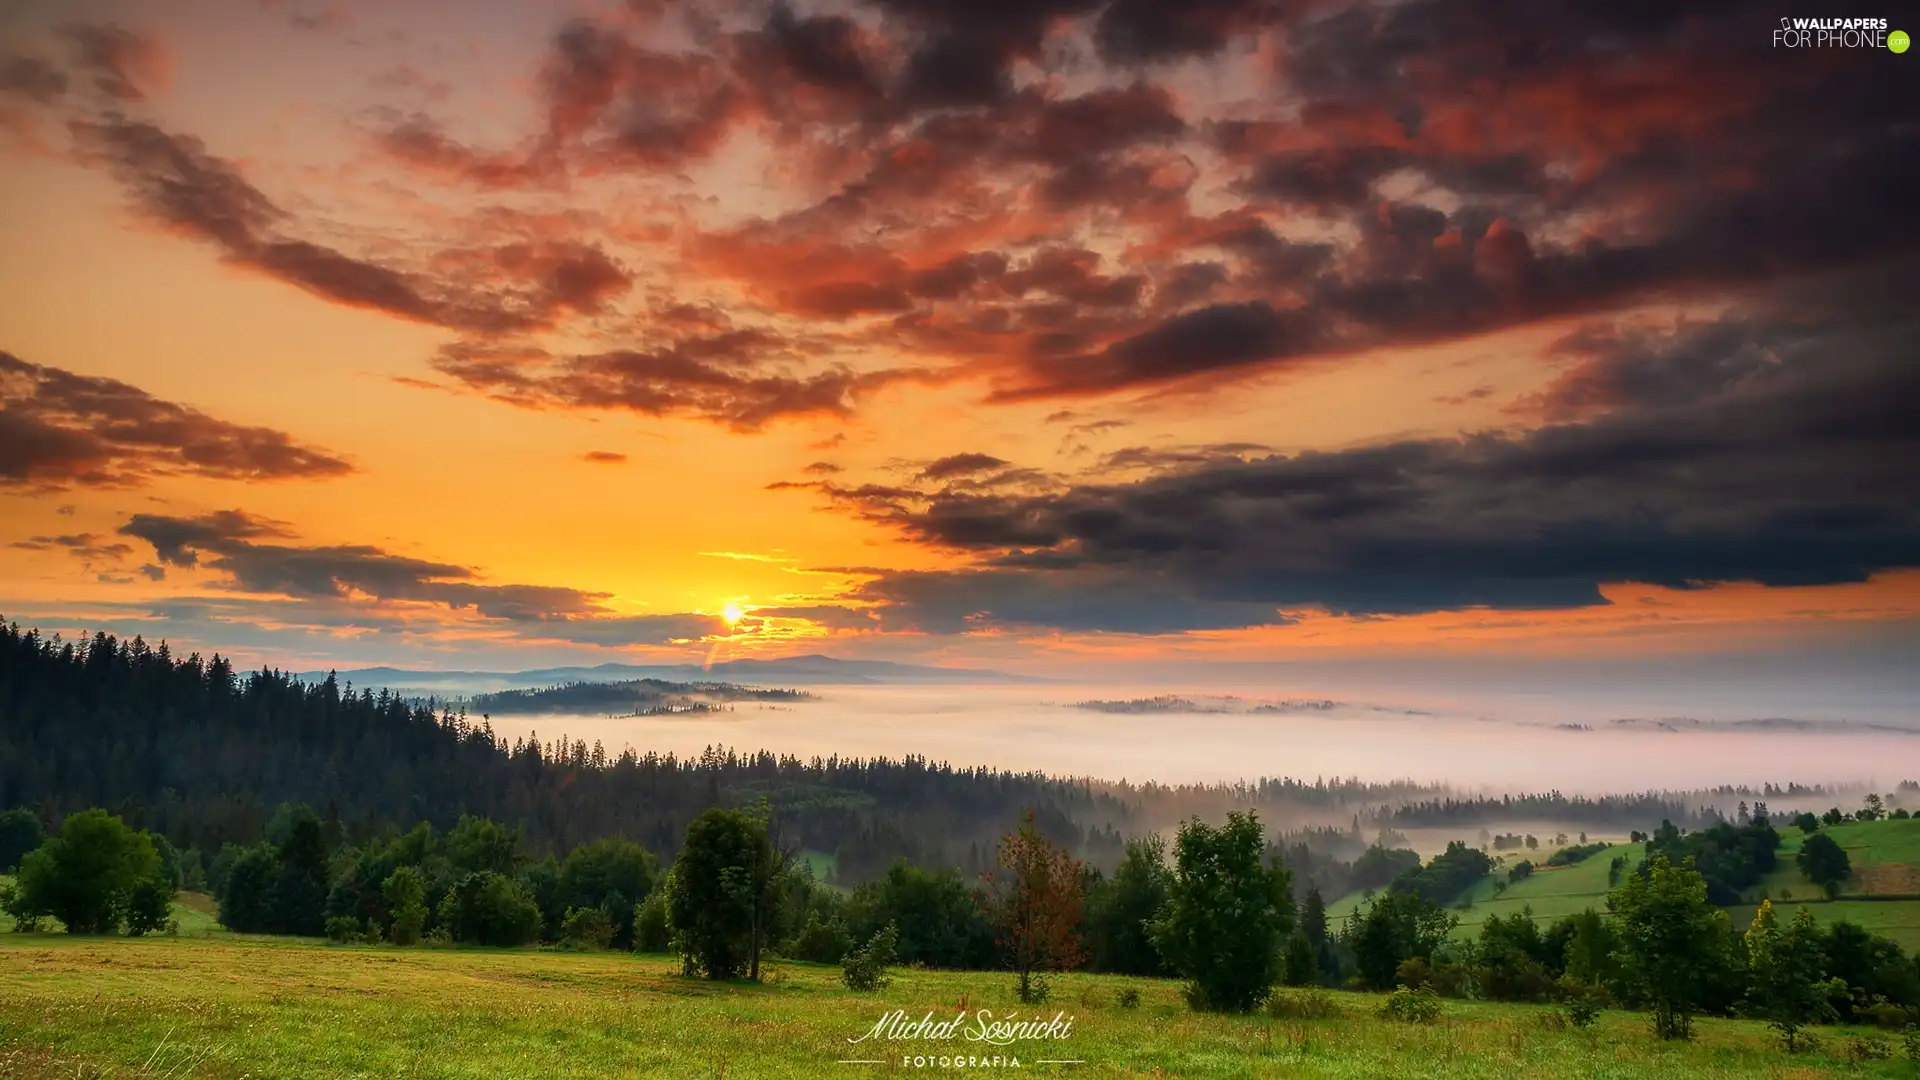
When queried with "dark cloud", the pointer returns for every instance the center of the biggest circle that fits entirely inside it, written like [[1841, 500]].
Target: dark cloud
[[59, 429], [720, 379], [604, 457], [124, 65], [1136, 31], [33, 78], [954, 465], [1771, 445], [512, 288], [227, 542], [87, 547]]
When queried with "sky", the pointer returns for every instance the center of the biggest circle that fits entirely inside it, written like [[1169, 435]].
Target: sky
[[1091, 336]]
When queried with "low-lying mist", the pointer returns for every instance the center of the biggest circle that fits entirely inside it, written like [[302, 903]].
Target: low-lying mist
[[1495, 743]]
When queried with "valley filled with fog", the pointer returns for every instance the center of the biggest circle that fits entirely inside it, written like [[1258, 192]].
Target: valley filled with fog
[[1586, 744]]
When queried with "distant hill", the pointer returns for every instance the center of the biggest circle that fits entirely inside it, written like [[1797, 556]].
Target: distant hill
[[811, 670]]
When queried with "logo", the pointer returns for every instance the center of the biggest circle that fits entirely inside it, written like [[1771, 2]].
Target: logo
[[991, 1040], [1824, 33]]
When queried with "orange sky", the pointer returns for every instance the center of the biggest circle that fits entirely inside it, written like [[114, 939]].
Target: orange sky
[[725, 222]]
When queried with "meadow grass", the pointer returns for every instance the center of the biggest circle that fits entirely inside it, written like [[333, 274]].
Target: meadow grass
[[1885, 856], [234, 1007]]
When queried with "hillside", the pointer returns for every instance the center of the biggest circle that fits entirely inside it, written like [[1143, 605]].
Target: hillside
[[228, 1008], [1883, 895]]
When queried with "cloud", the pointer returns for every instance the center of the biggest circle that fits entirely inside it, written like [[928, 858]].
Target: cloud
[[514, 287], [59, 429], [124, 65], [87, 547], [953, 465], [1714, 458], [727, 378], [604, 457]]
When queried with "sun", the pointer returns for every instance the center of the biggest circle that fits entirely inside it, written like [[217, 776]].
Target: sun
[[732, 613]]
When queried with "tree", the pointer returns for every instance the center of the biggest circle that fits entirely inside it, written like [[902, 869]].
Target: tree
[[480, 844], [1669, 942], [1824, 862], [1300, 966], [614, 875], [20, 832], [713, 897], [405, 892], [1119, 909], [1786, 986], [488, 908], [149, 905], [1033, 898], [1313, 923], [1393, 929], [86, 876], [1228, 913], [1808, 823]]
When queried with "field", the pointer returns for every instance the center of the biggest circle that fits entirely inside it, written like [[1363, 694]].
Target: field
[[1886, 864], [233, 1008]]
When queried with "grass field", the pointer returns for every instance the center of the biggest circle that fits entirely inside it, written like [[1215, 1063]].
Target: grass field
[[1885, 857], [232, 1008]]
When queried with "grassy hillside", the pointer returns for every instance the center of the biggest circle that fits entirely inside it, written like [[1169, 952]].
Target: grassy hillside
[[1885, 857], [228, 1008], [1552, 891]]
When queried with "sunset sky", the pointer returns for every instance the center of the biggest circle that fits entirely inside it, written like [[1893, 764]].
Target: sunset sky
[[1034, 334]]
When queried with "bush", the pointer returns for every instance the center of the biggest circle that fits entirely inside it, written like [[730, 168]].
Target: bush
[[1868, 1048], [1885, 1014], [587, 928], [651, 931], [1912, 1038], [1129, 998], [865, 968], [1303, 1005], [1420, 1006], [1414, 972], [342, 929], [148, 906], [1582, 1012]]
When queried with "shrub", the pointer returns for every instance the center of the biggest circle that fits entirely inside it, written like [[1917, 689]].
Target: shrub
[[1130, 998], [587, 928], [1912, 1038], [1885, 1014], [1582, 1012], [148, 906], [651, 931], [1414, 972], [1420, 1006], [865, 968], [1303, 1005], [342, 929], [1868, 1048]]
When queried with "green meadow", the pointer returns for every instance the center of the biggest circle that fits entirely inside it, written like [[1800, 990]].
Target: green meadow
[[226, 1007], [1883, 895]]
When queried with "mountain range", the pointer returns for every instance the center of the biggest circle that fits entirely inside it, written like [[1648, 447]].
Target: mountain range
[[810, 670]]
